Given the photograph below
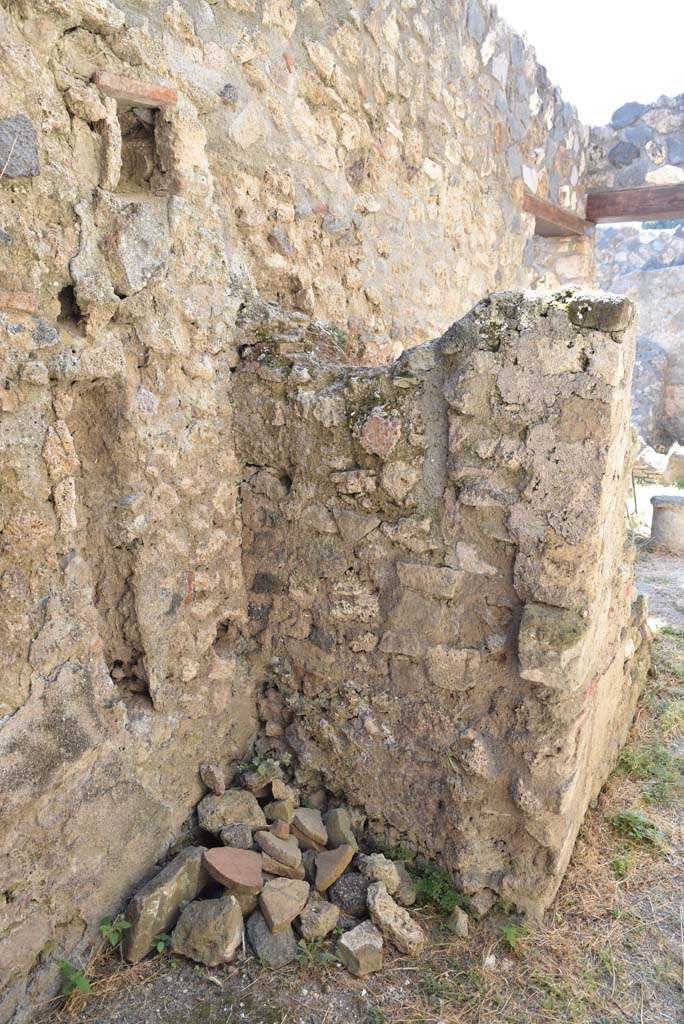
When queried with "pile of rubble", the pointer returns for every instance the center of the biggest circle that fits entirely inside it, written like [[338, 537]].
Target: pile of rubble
[[280, 865]]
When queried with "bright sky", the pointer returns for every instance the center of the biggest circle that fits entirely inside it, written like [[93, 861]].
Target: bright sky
[[603, 53]]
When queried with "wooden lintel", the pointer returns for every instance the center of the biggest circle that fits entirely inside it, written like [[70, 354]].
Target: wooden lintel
[[651, 202], [554, 221]]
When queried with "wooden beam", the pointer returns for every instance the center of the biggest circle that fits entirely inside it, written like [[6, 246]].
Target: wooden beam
[[553, 221], [652, 202]]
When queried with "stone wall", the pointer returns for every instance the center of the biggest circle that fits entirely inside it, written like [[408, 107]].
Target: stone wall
[[648, 266], [361, 155], [642, 145], [440, 604], [368, 164]]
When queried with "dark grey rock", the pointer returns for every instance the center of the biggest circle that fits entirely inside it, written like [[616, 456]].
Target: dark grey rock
[[638, 134], [349, 893], [18, 148], [43, 334], [4, 237], [624, 154], [675, 150], [230, 94], [239, 835], [476, 21], [272, 950], [280, 241], [627, 114]]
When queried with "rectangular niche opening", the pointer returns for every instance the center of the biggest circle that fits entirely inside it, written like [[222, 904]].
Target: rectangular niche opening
[[138, 161]]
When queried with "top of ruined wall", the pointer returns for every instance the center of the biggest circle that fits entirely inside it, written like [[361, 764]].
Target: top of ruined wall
[[642, 145], [370, 160]]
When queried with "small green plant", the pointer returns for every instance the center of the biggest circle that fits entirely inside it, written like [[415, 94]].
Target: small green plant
[[313, 954], [671, 631], [392, 852], [73, 979], [433, 886], [636, 828], [161, 942], [433, 987], [514, 936], [621, 865], [376, 1016], [660, 772], [672, 718], [112, 930]]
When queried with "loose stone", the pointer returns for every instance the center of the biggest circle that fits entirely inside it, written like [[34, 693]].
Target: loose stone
[[156, 906], [280, 829], [213, 778], [318, 918], [238, 870], [284, 850], [281, 901], [237, 835], [395, 923], [305, 843], [234, 807], [274, 867], [209, 931], [360, 949], [272, 950], [457, 922], [338, 825], [309, 822], [279, 810], [406, 893], [350, 893], [378, 868], [330, 865]]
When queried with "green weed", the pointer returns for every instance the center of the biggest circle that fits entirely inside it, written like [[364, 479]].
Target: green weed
[[660, 772], [112, 930], [161, 942], [433, 887], [73, 979], [636, 828], [314, 954], [514, 936]]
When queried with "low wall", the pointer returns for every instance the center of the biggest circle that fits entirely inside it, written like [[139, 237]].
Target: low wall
[[642, 145], [442, 615]]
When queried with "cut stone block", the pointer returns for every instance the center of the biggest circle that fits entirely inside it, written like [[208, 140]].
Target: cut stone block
[[360, 950], [279, 810], [304, 842], [156, 906], [209, 931]]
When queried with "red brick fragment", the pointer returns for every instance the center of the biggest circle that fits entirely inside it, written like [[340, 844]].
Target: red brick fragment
[[23, 302], [133, 91], [361, 85], [379, 95], [290, 61]]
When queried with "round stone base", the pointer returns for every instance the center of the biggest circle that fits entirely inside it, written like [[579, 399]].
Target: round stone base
[[667, 526]]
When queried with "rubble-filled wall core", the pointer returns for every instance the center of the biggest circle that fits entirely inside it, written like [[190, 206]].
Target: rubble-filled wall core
[[165, 168], [648, 266], [642, 145]]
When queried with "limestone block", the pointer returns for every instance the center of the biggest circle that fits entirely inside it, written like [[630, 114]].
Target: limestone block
[[155, 908]]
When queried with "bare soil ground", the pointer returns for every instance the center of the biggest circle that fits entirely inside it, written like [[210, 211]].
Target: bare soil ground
[[609, 951]]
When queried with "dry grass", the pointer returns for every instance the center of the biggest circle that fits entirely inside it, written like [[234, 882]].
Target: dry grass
[[610, 950]]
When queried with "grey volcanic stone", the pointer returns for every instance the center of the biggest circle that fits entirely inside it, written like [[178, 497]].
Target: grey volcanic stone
[[272, 950], [18, 148], [349, 893], [675, 151], [623, 154], [627, 114]]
